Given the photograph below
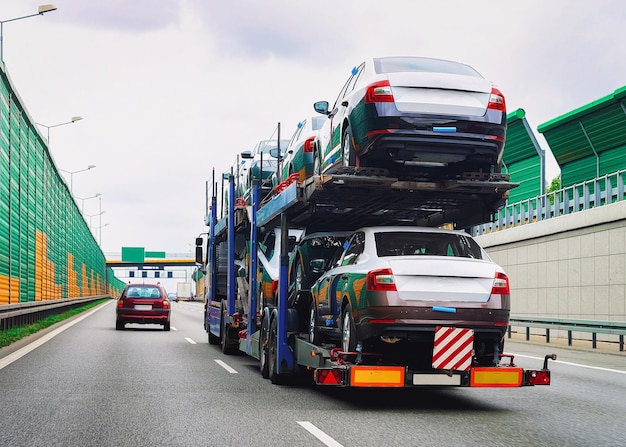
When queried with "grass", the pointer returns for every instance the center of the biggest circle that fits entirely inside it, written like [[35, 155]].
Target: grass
[[12, 335]]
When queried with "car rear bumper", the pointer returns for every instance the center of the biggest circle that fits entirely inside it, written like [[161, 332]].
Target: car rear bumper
[[143, 317], [402, 321]]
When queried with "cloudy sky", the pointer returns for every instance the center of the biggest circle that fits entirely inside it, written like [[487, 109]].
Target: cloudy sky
[[170, 89]]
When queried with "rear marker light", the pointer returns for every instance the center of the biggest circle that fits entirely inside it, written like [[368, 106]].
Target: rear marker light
[[500, 285], [496, 100], [378, 92], [381, 279]]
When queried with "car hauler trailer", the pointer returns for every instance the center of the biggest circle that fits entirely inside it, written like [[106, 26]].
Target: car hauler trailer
[[270, 332]]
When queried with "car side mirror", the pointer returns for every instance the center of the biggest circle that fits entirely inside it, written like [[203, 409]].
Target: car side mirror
[[317, 265], [199, 259], [274, 153], [321, 107]]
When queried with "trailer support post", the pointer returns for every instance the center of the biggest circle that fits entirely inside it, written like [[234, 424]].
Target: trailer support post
[[231, 246], [252, 280], [284, 353]]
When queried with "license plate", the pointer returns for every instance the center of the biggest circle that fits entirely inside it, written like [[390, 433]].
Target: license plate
[[143, 306]]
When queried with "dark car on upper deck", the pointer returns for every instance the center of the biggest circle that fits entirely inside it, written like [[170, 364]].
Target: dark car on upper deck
[[414, 118]]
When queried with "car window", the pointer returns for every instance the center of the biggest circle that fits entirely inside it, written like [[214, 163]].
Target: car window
[[422, 64], [342, 93], [405, 243], [356, 73], [267, 246], [143, 292], [353, 248]]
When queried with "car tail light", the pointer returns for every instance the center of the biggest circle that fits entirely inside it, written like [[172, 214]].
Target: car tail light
[[274, 286], [381, 279], [166, 304], [501, 285], [120, 303], [541, 377], [379, 92], [308, 144], [496, 100]]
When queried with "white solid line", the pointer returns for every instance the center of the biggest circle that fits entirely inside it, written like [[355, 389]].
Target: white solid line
[[190, 341], [225, 366], [599, 368], [319, 434], [40, 341]]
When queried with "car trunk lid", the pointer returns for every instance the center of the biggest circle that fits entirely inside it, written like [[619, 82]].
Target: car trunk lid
[[435, 278], [440, 93]]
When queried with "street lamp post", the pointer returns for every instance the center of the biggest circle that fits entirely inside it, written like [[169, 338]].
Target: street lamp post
[[74, 119], [71, 173], [41, 11], [82, 199]]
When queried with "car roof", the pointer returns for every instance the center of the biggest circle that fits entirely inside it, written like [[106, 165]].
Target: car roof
[[414, 229]]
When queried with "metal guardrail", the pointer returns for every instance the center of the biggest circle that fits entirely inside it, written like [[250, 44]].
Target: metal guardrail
[[590, 194], [571, 325], [19, 314]]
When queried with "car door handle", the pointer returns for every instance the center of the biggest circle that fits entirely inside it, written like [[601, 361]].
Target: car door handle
[[345, 103]]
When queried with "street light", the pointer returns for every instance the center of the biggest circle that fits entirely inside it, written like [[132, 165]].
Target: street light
[[82, 206], [41, 11], [71, 173], [74, 119]]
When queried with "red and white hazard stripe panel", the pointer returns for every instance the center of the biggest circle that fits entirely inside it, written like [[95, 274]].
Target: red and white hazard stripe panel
[[453, 348]]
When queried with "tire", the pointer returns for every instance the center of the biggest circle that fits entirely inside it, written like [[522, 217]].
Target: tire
[[166, 326], [275, 377], [347, 150], [227, 348], [119, 325], [348, 330], [264, 347], [314, 335]]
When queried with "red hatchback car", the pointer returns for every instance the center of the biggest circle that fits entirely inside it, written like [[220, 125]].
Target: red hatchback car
[[143, 304]]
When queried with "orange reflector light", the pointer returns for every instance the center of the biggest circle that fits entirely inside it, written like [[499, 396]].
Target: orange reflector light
[[539, 377], [496, 377], [383, 376]]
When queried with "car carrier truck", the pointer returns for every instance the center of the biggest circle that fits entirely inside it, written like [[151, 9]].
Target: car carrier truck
[[237, 318]]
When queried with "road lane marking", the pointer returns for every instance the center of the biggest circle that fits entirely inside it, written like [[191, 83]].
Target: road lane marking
[[598, 368], [173, 328], [319, 434], [225, 366], [190, 341], [6, 361]]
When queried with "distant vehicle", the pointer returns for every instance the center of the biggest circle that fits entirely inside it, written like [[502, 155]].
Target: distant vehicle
[[415, 118], [299, 153], [143, 304], [183, 291], [393, 285], [261, 163], [171, 296]]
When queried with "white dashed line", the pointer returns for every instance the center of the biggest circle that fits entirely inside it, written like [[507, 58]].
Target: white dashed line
[[226, 367], [190, 341], [319, 434], [173, 328]]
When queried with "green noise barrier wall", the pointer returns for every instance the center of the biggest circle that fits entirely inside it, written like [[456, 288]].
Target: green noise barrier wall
[[47, 251]]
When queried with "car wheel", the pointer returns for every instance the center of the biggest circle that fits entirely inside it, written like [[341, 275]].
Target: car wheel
[[314, 335], [348, 331], [119, 325], [166, 326], [263, 347], [347, 149], [275, 377]]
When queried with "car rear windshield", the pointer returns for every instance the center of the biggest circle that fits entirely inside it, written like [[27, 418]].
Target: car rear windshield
[[421, 64], [143, 292], [405, 243]]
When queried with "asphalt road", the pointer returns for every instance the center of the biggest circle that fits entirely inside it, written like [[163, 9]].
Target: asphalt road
[[90, 385]]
